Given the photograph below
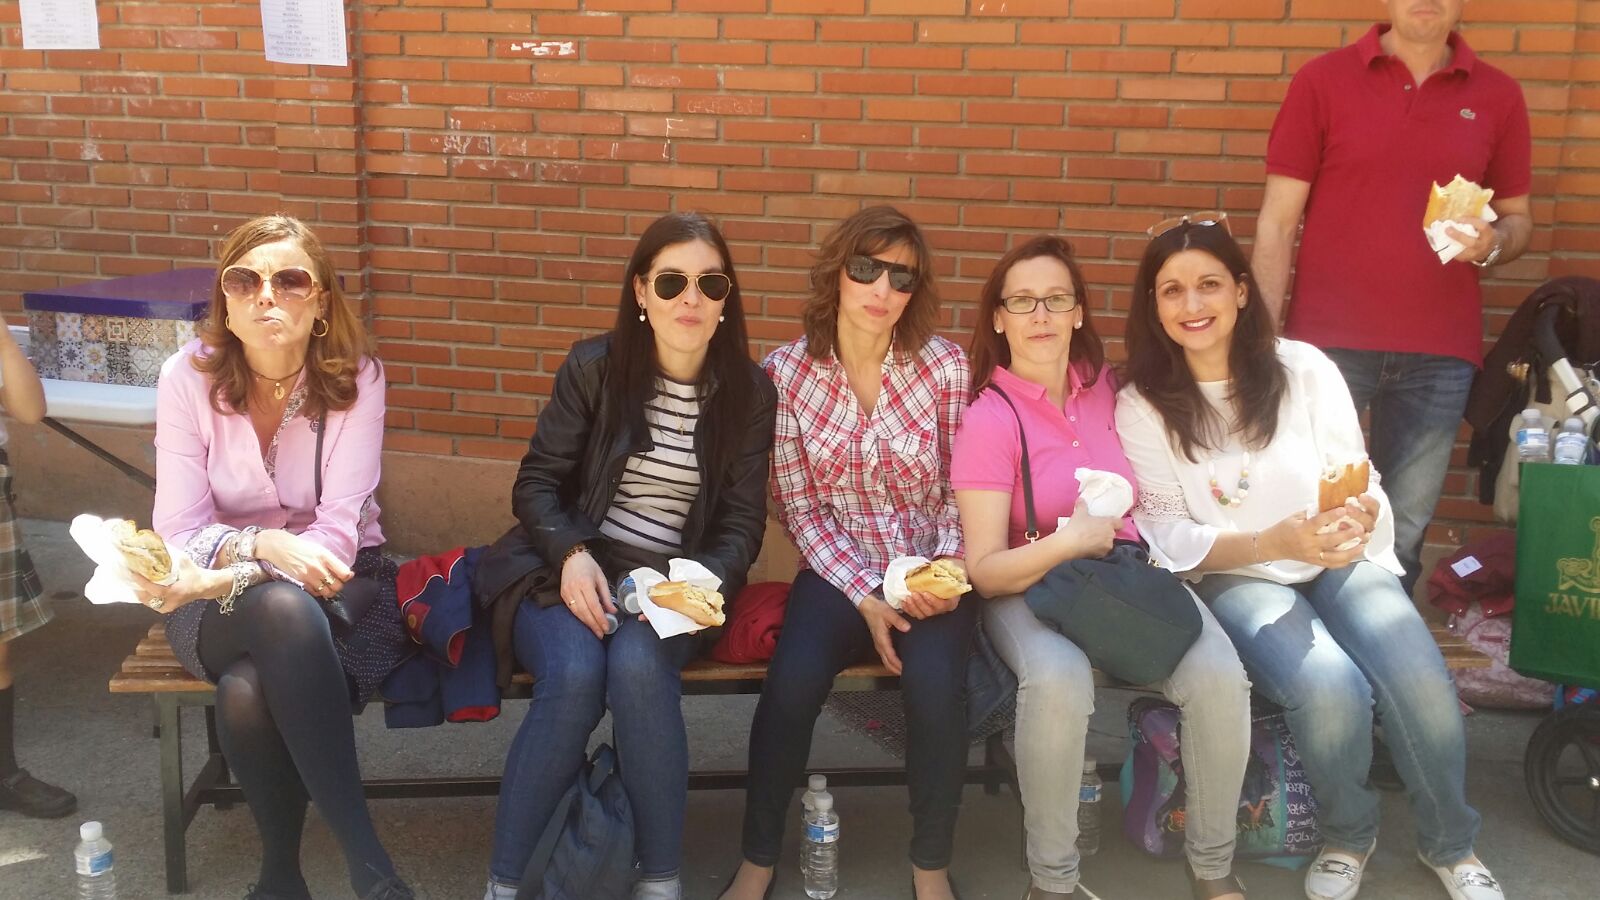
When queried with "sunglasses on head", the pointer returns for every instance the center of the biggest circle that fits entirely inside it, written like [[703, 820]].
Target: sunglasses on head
[[293, 283], [714, 286], [863, 269], [1204, 218], [1024, 306]]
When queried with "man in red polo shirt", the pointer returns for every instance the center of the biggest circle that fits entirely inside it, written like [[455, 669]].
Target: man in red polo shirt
[[1362, 135]]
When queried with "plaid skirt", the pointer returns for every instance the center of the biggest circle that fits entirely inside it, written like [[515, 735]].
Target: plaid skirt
[[22, 602]]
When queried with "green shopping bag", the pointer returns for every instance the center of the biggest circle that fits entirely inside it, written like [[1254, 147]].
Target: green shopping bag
[[1555, 633]]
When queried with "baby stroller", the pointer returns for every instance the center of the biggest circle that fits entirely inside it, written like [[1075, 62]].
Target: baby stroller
[[1547, 358]]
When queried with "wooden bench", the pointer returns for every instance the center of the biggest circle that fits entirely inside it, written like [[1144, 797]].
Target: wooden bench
[[153, 669]]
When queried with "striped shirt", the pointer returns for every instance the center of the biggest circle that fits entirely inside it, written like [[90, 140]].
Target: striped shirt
[[660, 484]]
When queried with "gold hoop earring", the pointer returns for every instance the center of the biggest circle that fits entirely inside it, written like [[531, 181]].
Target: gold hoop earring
[[315, 332], [227, 321]]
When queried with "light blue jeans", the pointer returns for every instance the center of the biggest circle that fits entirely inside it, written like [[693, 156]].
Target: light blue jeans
[[1331, 652], [1416, 402], [1055, 696]]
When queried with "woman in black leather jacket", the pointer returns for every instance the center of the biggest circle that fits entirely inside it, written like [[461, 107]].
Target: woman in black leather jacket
[[654, 445]]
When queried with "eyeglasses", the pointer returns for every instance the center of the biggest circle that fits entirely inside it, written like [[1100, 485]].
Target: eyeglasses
[[1023, 306], [1205, 217], [863, 269], [293, 283], [714, 286]]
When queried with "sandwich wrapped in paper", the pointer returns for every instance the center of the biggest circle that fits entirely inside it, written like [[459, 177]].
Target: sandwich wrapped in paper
[[120, 547], [684, 600], [1105, 495], [1449, 207], [943, 579], [1339, 484]]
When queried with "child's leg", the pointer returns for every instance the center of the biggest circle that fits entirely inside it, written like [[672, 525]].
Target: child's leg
[[19, 790]]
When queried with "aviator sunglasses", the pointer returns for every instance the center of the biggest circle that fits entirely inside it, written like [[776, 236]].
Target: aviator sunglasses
[[1205, 217], [714, 286], [863, 269], [293, 283]]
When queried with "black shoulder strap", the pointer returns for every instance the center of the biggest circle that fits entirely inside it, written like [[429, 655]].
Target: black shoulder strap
[[1032, 534], [316, 473]]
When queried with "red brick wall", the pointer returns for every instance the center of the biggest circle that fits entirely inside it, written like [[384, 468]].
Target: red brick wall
[[482, 165]]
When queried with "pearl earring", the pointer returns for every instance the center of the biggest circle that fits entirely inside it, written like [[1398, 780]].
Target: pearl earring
[[999, 330], [641, 314], [722, 318]]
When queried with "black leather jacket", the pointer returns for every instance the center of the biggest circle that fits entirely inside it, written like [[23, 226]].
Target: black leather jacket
[[570, 475]]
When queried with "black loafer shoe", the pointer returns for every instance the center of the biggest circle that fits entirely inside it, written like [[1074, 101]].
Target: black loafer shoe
[[391, 888], [28, 795], [255, 893]]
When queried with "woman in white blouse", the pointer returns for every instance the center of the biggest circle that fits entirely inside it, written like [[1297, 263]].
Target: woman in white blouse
[[1228, 429]]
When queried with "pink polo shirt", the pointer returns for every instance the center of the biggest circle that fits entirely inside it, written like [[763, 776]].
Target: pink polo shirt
[[987, 455], [210, 469]]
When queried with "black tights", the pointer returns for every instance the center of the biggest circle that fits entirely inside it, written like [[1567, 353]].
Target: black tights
[[283, 717]]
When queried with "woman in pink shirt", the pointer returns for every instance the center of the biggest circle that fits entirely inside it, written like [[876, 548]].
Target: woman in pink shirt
[[268, 435], [1036, 348]]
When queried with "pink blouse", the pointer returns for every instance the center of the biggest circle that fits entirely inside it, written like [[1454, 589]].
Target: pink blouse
[[210, 470], [988, 451]]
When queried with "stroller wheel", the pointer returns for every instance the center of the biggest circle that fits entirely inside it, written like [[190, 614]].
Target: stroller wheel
[[1562, 768]]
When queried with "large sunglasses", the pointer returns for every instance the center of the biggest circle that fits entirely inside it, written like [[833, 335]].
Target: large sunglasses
[[1024, 306], [1204, 218], [293, 283], [714, 286], [863, 269]]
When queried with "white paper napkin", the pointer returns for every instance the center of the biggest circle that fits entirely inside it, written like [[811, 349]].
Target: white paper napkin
[[1446, 246], [1105, 495], [112, 582], [668, 622], [895, 591]]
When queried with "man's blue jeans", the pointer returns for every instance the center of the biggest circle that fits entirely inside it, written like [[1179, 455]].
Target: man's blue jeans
[[1416, 402], [1331, 652], [575, 678]]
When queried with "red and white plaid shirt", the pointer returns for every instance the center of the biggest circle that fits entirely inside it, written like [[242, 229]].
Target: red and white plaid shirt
[[855, 491]]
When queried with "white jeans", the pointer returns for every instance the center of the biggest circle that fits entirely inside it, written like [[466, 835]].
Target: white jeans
[[1054, 700]]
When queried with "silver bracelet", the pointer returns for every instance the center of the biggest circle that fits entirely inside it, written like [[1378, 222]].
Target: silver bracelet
[[243, 573], [244, 546]]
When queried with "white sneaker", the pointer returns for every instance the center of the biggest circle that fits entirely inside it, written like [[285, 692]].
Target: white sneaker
[[1467, 881], [1336, 874], [660, 889]]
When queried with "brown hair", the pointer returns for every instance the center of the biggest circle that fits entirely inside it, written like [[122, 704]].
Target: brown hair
[[872, 230], [332, 359], [990, 350]]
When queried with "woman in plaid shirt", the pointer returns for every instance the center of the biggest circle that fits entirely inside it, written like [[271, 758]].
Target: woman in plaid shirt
[[868, 402]]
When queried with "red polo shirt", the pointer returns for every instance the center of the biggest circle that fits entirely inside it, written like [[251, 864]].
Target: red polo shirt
[[1371, 141]]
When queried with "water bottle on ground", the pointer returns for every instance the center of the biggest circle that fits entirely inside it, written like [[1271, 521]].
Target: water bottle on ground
[[1089, 792], [820, 853], [96, 880], [1571, 443], [815, 785], [1533, 441]]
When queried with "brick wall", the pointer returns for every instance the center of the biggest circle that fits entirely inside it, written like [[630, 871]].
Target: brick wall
[[482, 165]]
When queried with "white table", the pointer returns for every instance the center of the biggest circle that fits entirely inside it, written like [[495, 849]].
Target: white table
[[102, 404]]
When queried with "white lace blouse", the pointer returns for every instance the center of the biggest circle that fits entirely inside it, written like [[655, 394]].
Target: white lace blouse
[[1317, 427]]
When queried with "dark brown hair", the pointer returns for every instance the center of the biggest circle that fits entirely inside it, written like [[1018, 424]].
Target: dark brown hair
[[991, 351], [1157, 367], [872, 230], [332, 359]]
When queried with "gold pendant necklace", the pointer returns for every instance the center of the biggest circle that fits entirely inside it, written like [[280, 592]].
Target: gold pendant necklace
[[277, 383]]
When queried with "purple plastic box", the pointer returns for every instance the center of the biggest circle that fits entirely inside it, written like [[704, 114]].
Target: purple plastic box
[[118, 331]]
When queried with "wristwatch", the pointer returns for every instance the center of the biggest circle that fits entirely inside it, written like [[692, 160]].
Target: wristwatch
[[1494, 253]]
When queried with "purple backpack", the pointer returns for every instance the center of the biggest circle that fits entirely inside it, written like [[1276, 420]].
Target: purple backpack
[[1277, 814]]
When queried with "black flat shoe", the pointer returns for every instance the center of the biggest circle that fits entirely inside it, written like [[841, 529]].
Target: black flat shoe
[[33, 798], [1211, 888], [391, 888], [765, 895], [255, 893], [954, 891]]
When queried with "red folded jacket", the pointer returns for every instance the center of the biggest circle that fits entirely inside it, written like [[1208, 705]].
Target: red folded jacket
[[751, 635]]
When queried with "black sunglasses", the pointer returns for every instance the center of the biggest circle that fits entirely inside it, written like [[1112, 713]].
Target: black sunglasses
[[714, 286], [241, 283], [863, 269]]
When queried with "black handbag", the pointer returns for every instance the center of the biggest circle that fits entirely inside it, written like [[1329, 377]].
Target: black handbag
[[1132, 618], [345, 608]]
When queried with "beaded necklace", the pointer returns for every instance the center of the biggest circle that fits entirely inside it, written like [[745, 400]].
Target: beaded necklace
[[1243, 489]]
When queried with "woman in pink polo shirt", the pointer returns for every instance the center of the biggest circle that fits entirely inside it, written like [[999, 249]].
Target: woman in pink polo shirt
[[1035, 346]]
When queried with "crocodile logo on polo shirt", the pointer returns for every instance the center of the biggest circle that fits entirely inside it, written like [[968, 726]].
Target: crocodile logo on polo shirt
[[1467, 113]]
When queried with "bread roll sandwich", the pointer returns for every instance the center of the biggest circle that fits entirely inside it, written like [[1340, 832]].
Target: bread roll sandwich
[[142, 550], [1340, 483], [1458, 200], [941, 578], [699, 604]]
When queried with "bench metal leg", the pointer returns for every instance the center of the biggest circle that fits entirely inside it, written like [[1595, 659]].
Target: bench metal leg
[[214, 752], [173, 820]]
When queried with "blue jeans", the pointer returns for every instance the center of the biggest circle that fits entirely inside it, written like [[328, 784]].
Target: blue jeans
[[575, 678], [823, 634], [1331, 652], [1416, 402]]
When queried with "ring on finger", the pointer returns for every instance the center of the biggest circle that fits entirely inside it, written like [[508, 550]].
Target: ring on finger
[[156, 603], [1321, 555]]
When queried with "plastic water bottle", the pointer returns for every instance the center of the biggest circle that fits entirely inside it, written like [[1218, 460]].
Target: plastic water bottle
[[96, 880], [1089, 792], [1571, 443], [1533, 441], [626, 597], [820, 860], [815, 785]]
